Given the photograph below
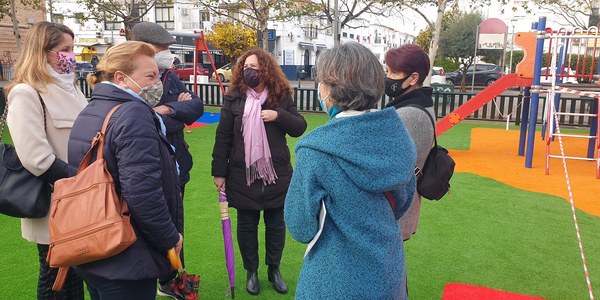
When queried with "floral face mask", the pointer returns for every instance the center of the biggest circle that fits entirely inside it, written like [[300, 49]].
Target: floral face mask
[[65, 62]]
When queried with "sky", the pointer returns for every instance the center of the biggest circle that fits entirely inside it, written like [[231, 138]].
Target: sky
[[522, 19]]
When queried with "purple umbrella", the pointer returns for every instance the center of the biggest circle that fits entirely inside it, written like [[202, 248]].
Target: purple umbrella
[[227, 242]]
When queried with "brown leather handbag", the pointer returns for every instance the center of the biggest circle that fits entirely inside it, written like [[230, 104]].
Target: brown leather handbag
[[88, 221]]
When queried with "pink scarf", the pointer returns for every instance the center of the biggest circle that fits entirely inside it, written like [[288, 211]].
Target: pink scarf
[[256, 145]]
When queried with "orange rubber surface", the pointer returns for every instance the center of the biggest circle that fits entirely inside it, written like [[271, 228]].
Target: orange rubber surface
[[494, 154]]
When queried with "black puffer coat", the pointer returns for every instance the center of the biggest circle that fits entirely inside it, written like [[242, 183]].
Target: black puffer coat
[[229, 158], [143, 167]]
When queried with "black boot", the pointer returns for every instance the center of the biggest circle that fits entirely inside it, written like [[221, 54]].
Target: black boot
[[252, 283], [275, 277]]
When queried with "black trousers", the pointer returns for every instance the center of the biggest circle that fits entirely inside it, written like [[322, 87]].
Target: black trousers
[[165, 279], [73, 288], [247, 236], [104, 289]]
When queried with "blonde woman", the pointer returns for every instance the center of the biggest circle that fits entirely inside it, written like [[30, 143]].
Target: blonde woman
[[43, 102], [142, 164]]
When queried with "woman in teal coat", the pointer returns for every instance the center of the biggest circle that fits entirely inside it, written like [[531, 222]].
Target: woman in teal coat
[[336, 199]]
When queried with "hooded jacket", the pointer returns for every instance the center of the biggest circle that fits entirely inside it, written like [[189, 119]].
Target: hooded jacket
[[348, 164], [142, 165]]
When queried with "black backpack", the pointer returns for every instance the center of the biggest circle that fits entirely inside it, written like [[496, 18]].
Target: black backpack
[[433, 181]]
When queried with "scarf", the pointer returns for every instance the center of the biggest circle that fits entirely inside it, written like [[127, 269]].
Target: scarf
[[420, 96], [256, 145], [64, 81]]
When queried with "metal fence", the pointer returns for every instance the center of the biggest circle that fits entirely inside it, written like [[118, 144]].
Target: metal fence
[[496, 110]]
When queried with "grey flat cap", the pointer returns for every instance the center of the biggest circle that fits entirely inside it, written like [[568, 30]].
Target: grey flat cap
[[151, 33]]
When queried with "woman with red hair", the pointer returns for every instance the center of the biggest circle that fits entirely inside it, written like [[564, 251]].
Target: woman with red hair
[[251, 159], [407, 66]]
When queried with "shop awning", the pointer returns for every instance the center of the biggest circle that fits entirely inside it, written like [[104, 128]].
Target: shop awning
[[179, 48], [311, 46], [87, 44]]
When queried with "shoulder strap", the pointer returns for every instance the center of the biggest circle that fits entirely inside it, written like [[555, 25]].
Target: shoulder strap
[[390, 199], [97, 142], [430, 118], [5, 113], [43, 111], [3, 119]]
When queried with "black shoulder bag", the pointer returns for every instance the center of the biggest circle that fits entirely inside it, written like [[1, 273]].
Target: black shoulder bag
[[433, 181], [22, 194]]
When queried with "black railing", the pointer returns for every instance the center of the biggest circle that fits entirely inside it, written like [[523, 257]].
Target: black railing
[[496, 110]]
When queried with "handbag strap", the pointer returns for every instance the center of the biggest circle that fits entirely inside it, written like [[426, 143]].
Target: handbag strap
[[3, 119], [421, 107], [418, 171], [5, 113], [97, 143], [390, 199]]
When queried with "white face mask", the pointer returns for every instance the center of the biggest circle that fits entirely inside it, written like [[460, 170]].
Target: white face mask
[[164, 59]]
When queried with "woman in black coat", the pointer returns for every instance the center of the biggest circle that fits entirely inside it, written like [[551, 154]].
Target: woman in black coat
[[142, 164], [251, 159]]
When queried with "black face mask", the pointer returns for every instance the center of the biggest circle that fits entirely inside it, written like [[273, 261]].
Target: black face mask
[[251, 77], [393, 87]]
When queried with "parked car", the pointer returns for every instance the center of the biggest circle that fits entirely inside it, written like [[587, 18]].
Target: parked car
[[185, 70], [568, 75], [485, 74], [82, 69], [224, 73], [438, 76]]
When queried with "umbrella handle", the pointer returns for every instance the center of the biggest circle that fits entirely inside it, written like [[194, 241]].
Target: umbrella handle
[[174, 259]]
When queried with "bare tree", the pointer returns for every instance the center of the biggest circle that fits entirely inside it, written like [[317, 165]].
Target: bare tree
[[253, 14], [575, 12], [348, 11], [8, 8], [129, 12]]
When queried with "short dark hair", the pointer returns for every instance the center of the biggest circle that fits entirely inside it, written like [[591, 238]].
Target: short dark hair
[[408, 58]]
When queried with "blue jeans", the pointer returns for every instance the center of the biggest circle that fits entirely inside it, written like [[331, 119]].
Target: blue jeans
[[104, 289]]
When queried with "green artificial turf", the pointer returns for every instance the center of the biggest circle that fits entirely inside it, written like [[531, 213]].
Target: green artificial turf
[[483, 233]]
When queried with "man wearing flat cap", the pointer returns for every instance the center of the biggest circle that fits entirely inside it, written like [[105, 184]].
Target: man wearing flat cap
[[177, 107]]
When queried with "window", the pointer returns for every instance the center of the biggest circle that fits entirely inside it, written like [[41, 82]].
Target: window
[[165, 16], [310, 31], [58, 18], [344, 34], [111, 22], [204, 16]]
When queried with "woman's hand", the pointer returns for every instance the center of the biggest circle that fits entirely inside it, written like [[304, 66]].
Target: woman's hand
[[163, 110], [184, 97], [219, 183], [268, 115], [179, 245]]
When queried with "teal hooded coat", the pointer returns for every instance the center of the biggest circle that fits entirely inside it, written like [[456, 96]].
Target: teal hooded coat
[[348, 164]]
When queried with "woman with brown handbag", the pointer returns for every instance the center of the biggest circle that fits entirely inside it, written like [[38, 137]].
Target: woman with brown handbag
[[43, 102], [142, 165]]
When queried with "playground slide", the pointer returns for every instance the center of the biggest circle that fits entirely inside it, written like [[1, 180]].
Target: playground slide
[[479, 100]]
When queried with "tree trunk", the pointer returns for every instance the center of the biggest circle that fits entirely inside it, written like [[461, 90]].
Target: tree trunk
[[15, 23], [463, 81], [264, 26], [594, 19], [435, 37], [265, 38]]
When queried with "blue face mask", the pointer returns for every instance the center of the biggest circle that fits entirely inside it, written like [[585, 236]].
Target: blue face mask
[[333, 110]]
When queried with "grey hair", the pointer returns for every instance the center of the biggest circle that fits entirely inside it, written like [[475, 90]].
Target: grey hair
[[353, 74]]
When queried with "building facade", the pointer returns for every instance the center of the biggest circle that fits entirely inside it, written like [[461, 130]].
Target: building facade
[[26, 17], [296, 44]]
